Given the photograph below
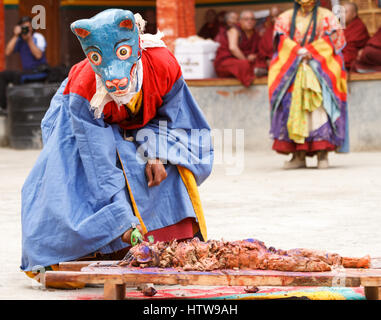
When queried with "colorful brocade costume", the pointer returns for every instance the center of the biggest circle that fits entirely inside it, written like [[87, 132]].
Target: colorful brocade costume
[[308, 99], [89, 185]]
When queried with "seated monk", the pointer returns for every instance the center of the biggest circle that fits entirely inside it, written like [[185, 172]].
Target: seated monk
[[265, 49], [211, 27], [238, 51], [356, 34], [231, 20], [369, 58]]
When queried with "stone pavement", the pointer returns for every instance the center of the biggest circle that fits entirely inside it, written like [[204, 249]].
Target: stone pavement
[[338, 210]]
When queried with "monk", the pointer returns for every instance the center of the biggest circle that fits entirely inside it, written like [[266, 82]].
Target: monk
[[238, 50], [369, 58], [231, 20], [307, 85], [211, 27], [356, 34], [265, 49]]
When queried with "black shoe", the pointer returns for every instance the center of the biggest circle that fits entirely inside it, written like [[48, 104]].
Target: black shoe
[[3, 112]]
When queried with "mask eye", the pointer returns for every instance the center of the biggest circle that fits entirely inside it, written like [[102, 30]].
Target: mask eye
[[124, 52], [95, 58]]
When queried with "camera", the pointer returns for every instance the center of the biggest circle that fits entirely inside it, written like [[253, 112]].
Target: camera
[[24, 30]]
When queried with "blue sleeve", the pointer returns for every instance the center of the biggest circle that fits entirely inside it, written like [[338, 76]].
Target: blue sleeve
[[179, 134], [17, 46], [97, 150], [74, 201], [48, 123]]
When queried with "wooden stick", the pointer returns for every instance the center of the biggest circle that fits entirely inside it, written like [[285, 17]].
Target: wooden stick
[[78, 265]]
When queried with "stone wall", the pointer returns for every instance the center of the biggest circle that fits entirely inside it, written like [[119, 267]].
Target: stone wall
[[235, 107]]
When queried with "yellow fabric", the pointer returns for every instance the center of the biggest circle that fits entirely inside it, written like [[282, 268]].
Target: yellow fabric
[[55, 285], [283, 56], [306, 97], [135, 103], [303, 21], [134, 206], [191, 186], [326, 51]]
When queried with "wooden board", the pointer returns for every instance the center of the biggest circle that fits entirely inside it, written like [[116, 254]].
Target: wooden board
[[78, 265], [121, 275], [115, 278]]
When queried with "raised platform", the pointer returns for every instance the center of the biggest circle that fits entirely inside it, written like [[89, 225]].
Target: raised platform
[[215, 82], [229, 105], [115, 278]]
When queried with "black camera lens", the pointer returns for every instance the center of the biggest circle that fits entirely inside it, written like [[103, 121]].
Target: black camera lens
[[25, 30]]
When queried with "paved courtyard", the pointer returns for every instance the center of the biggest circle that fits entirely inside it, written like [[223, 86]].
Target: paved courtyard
[[338, 210]]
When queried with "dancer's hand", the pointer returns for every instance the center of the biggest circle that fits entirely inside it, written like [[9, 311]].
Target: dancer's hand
[[126, 237], [155, 172], [307, 56]]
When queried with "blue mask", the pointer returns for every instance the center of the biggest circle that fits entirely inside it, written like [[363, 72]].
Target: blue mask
[[110, 41]]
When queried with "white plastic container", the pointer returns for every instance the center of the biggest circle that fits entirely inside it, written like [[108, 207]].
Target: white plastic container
[[196, 56]]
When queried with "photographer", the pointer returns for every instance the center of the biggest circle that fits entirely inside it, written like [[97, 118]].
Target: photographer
[[31, 47]]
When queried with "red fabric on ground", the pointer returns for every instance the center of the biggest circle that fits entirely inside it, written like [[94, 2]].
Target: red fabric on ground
[[311, 148], [180, 231], [356, 35], [371, 55]]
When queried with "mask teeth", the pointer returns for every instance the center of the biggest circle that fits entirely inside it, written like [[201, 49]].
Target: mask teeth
[[129, 87]]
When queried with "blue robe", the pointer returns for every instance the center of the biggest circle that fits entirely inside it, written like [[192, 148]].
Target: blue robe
[[75, 201]]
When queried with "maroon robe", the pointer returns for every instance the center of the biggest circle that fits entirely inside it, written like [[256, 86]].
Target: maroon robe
[[209, 30], [265, 48], [227, 65], [356, 35], [371, 56], [326, 4]]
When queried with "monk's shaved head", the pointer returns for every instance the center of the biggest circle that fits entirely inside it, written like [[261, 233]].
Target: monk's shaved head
[[352, 6], [247, 20], [275, 11], [231, 18], [246, 13], [351, 11]]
